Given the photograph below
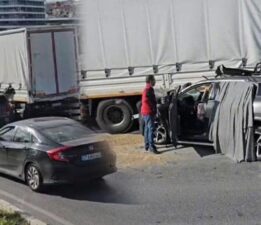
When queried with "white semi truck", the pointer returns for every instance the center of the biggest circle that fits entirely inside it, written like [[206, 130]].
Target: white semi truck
[[40, 65], [177, 40]]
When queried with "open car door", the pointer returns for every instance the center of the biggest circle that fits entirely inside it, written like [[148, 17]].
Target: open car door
[[196, 107]]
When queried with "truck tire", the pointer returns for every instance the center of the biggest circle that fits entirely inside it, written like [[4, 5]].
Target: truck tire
[[141, 122], [114, 116], [28, 112]]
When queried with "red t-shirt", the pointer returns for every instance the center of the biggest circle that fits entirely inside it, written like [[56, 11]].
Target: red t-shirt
[[148, 101]]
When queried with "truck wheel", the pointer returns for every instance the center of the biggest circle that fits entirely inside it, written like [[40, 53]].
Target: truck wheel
[[114, 116], [141, 122], [28, 112]]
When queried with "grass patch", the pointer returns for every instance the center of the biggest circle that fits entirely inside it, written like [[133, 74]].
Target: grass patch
[[7, 218]]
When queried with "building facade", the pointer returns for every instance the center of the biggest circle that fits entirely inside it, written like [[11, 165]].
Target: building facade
[[21, 13], [64, 9]]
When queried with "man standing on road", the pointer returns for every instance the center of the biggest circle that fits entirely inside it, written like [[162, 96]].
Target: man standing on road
[[148, 112]]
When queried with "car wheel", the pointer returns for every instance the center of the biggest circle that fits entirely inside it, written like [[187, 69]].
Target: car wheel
[[258, 147], [33, 177], [161, 136], [115, 116]]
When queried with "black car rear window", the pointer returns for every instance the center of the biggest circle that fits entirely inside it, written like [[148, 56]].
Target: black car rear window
[[65, 132]]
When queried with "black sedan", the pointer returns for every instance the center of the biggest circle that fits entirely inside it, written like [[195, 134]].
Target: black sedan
[[52, 150]]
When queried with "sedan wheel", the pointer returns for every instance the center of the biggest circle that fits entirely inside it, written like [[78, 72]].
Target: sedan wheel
[[33, 177]]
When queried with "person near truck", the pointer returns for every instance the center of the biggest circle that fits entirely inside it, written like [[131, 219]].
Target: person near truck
[[148, 112], [5, 111]]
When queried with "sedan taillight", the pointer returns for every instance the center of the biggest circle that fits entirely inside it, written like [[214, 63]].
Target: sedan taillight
[[57, 154]]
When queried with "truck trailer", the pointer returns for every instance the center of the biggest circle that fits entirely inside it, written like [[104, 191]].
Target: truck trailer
[[178, 41], [39, 65]]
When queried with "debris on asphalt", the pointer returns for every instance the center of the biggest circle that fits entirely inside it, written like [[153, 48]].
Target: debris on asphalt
[[131, 153]]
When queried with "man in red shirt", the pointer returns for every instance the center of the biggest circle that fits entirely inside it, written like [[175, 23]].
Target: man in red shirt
[[148, 112]]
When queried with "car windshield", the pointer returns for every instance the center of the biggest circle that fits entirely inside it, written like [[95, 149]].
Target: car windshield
[[65, 132]]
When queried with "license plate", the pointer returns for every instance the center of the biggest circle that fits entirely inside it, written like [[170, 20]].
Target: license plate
[[92, 156]]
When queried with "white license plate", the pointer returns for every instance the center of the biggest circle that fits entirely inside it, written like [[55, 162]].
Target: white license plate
[[92, 156]]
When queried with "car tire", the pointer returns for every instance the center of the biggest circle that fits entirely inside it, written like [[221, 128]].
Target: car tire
[[115, 116], [161, 136], [258, 147], [33, 177]]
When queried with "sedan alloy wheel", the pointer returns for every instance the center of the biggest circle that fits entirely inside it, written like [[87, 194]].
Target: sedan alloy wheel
[[33, 177]]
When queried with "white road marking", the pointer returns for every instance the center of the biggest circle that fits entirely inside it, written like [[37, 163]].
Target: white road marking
[[44, 212]]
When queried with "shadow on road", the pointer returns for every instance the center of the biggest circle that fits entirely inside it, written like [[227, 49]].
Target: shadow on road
[[14, 179], [167, 148], [204, 151], [95, 191]]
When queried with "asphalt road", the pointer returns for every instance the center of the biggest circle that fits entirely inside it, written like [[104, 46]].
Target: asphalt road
[[198, 188]]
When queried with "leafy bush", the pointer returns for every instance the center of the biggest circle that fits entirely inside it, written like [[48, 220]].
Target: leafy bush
[[7, 218]]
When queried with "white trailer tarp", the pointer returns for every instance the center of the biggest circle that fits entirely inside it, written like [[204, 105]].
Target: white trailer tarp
[[40, 63], [14, 60], [119, 34], [54, 61], [43, 67]]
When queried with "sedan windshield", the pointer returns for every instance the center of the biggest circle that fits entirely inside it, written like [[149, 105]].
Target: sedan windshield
[[65, 132]]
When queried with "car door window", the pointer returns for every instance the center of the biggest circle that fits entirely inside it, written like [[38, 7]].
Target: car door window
[[214, 91], [7, 134], [22, 136], [34, 139], [196, 94]]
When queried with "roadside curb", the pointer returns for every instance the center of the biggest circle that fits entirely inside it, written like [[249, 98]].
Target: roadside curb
[[6, 206]]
